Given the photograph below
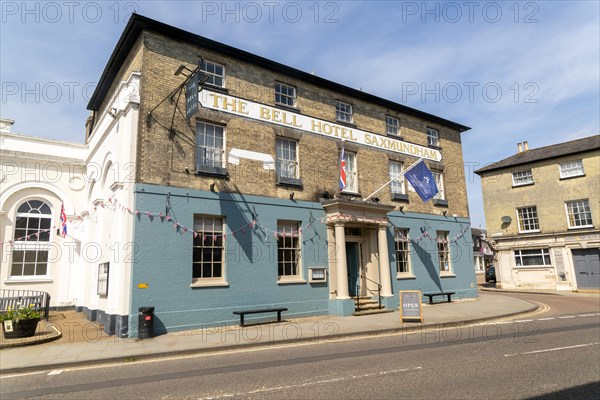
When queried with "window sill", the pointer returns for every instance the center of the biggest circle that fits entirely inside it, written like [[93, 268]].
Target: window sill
[[440, 202], [288, 108], [402, 276], [523, 184], [447, 275], [393, 135], [526, 232], [290, 182], [534, 267], [346, 123], [351, 194], [215, 88], [576, 228], [400, 197], [213, 174], [32, 280], [209, 284], [436, 147], [291, 281], [571, 177]]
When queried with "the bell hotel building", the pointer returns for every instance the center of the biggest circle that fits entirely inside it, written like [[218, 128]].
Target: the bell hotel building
[[239, 206]]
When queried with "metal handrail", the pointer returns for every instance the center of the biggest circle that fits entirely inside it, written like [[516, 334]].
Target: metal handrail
[[378, 288]]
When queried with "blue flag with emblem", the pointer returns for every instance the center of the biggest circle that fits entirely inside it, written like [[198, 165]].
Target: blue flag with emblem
[[422, 180]]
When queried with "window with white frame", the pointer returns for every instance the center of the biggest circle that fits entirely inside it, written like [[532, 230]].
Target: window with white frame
[[397, 184], [392, 125], [31, 240], [215, 72], [102, 287], [522, 178], [439, 182], [532, 257], [479, 263], [208, 249], [210, 148], [433, 137], [343, 112], [443, 249], [402, 251], [351, 172], [528, 219], [287, 160], [289, 266], [571, 168], [579, 214], [285, 94]]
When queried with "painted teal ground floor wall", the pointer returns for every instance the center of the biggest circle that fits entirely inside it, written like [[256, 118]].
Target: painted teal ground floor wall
[[164, 251]]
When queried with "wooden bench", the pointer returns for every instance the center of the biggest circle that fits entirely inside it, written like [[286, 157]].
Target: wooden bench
[[278, 310], [431, 295], [12, 303]]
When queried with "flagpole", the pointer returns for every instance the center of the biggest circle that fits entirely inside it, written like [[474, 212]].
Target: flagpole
[[394, 178]]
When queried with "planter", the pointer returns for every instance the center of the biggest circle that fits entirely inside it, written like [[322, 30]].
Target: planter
[[24, 328]]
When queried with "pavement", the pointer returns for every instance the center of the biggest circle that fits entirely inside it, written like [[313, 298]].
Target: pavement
[[81, 344]]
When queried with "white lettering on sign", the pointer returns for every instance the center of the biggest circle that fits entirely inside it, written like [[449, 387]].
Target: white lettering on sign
[[261, 112]]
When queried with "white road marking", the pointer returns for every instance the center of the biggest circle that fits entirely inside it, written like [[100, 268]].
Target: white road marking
[[588, 315], [554, 349], [545, 319], [567, 316], [524, 320], [23, 374], [56, 372], [319, 382]]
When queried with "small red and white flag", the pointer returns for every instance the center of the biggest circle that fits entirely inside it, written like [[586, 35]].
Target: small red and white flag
[[342, 170], [63, 221]]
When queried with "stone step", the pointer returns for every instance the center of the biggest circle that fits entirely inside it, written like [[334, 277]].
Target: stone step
[[369, 312]]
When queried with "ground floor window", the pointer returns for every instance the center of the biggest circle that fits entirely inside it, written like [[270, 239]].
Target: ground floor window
[[30, 263], [208, 248], [288, 250], [479, 263], [402, 251], [532, 257], [443, 251]]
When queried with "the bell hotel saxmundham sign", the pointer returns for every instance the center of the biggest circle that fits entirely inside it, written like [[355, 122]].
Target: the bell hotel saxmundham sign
[[411, 306], [191, 96]]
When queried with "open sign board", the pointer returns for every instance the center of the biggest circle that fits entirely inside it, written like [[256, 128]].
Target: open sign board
[[411, 307]]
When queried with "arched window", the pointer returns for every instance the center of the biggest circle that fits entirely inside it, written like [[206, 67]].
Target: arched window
[[31, 239]]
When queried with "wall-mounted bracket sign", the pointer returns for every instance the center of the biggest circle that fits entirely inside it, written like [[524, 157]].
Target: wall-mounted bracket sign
[[411, 307], [143, 285], [249, 109]]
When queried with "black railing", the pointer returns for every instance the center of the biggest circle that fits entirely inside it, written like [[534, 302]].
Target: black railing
[[11, 299], [369, 290]]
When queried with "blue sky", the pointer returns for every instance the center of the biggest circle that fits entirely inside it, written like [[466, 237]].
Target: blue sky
[[512, 71]]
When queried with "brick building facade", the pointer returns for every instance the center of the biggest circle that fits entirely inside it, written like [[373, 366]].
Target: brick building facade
[[241, 205]]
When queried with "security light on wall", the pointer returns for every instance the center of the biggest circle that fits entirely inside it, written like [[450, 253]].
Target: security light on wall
[[506, 219]]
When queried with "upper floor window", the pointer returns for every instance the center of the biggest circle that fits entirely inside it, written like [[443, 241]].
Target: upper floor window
[[392, 125], [31, 239], [287, 160], [433, 137], [208, 249], [522, 178], [571, 169], [215, 72], [285, 94], [443, 248], [288, 250], [579, 214], [524, 258], [528, 219], [402, 251], [343, 112], [210, 148], [397, 185], [351, 172], [439, 182]]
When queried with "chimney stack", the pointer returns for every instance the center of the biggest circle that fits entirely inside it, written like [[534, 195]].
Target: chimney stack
[[520, 147], [525, 146]]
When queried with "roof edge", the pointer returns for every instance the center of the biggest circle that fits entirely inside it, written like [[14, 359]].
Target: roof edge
[[137, 23]]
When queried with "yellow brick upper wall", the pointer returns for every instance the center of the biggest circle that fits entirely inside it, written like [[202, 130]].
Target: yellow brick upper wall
[[548, 193], [163, 162]]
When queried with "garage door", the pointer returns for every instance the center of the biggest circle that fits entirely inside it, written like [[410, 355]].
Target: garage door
[[587, 268]]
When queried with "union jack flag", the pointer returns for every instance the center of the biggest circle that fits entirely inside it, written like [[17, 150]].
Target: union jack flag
[[342, 171], [63, 221]]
